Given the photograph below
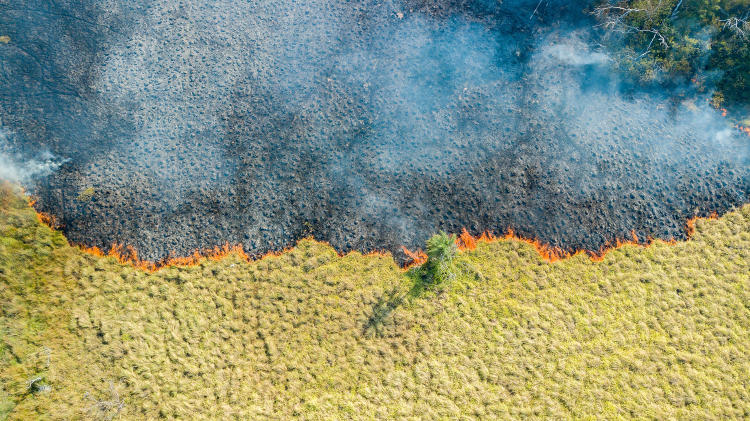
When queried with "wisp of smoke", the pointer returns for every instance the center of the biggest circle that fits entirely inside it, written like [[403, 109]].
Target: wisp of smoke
[[24, 171], [368, 124]]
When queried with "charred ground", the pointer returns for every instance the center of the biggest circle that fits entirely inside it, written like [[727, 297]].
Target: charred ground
[[369, 125]]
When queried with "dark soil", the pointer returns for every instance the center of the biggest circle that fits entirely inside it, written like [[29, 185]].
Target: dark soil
[[364, 124]]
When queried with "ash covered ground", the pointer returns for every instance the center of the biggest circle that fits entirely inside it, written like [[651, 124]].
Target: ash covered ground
[[178, 125]]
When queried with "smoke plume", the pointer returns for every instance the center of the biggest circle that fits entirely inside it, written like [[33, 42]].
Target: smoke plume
[[367, 124], [21, 170]]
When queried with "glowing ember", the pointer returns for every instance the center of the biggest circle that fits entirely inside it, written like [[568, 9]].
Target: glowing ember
[[417, 257]]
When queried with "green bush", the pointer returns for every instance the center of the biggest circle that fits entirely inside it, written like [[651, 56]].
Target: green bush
[[441, 249]]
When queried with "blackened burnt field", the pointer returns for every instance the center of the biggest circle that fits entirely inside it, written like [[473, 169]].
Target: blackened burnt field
[[179, 125]]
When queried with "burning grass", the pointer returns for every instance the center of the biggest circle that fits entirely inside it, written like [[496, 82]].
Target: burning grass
[[126, 254], [659, 331]]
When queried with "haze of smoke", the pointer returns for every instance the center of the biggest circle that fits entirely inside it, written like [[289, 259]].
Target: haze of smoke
[[16, 169], [249, 117], [648, 129], [574, 52]]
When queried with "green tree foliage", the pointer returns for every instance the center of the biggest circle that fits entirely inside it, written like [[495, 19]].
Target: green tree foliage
[[441, 249], [706, 42]]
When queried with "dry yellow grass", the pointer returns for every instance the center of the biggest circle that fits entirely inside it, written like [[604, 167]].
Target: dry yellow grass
[[659, 332]]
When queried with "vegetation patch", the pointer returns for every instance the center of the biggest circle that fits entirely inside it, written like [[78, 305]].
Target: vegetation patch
[[647, 332], [86, 194], [706, 42]]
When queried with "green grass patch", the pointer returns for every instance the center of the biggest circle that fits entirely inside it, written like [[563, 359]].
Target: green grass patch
[[658, 332]]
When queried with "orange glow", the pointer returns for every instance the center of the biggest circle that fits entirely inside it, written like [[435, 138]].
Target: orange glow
[[48, 220], [724, 113], [464, 241], [691, 222], [554, 254], [128, 255], [548, 253], [43, 217], [418, 257], [374, 253]]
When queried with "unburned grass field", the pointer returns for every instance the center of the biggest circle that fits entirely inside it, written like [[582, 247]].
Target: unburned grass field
[[648, 332]]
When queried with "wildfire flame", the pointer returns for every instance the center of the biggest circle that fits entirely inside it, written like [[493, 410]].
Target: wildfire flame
[[465, 241], [552, 254], [128, 255], [691, 222], [418, 257], [724, 113], [43, 217]]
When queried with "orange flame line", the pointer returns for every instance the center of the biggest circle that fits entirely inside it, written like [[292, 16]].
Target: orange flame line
[[553, 254], [128, 255], [464, 241], [691, 222], [43, 217]]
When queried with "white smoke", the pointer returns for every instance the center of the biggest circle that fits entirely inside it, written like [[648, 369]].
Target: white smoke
[[19, 170], [574, 53]]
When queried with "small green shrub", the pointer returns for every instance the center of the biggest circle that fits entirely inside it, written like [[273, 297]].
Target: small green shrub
[[441, 249]]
